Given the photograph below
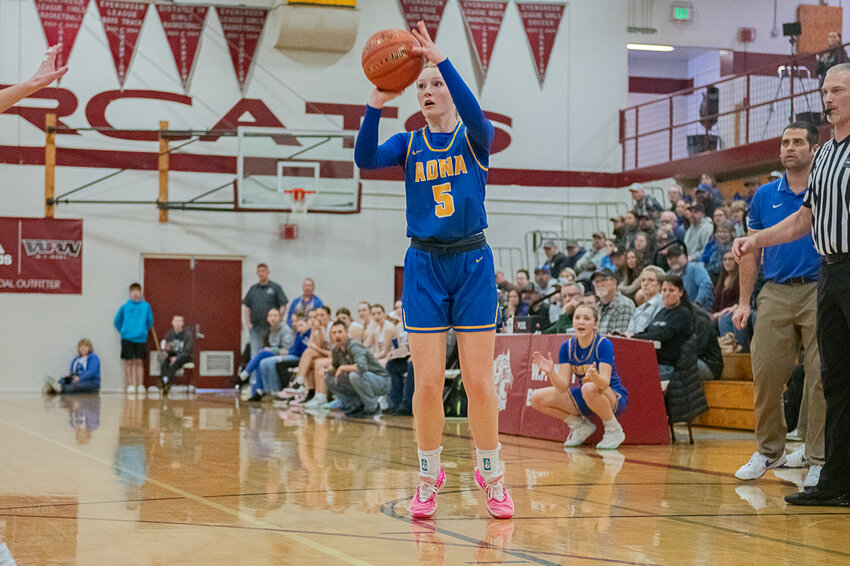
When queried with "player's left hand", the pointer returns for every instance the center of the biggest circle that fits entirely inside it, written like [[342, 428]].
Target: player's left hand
[[426, 44]]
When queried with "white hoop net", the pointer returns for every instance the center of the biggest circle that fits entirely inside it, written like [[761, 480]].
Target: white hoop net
[[300, 200]]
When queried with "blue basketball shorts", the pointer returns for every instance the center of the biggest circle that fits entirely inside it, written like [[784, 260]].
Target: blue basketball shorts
[[443, 291], [585, 410]]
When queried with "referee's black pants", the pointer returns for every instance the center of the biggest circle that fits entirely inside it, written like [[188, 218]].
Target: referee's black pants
[[834, 344]]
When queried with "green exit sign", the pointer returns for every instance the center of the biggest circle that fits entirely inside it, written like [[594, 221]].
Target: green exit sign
[[682, 13]]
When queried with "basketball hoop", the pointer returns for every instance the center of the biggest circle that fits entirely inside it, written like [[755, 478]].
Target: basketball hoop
[[300, 201]]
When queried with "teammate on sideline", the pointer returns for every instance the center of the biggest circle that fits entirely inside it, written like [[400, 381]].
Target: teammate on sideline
[[44, 75], [591, 358], [449, 273]]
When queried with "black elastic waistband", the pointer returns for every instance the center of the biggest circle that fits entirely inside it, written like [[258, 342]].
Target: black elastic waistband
[[474, 242], [836, 258]]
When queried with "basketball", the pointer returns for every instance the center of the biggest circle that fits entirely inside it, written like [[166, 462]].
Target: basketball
[[388, 60]]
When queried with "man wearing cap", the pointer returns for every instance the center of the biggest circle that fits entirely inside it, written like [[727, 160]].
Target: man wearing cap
[[615, 309], [644, 203], [557, 261], [702, 195], [694, 276], [697, 236], [750, 186], [543, 278], [593, 260]]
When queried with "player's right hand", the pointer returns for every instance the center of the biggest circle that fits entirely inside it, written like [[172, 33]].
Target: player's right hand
[[380, 97], [545, 364], [741, 316]]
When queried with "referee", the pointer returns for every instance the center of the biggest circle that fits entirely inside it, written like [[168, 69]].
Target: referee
[[826, 213]]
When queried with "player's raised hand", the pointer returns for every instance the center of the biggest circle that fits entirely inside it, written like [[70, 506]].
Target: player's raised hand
[[426, 44], [48, 71], [546, 364]]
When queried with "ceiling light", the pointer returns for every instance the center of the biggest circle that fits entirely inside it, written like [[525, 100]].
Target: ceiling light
[[648, 47]]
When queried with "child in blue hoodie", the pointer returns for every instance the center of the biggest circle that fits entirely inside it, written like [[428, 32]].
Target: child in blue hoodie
[[133, 321], [84, 375]]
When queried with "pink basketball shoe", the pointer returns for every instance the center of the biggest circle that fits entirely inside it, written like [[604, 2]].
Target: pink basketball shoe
[[424, 502], [499, 502]]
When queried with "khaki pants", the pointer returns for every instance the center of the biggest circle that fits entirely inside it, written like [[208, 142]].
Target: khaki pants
[[786, 317]]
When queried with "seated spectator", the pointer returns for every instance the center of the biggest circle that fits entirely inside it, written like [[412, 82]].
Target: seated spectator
[[567, 275], [628, 275], [647, 226], [574, 254], [750, 186], [712, 192], [697, 236], [380, 336], [522, 280], [737, 212], [664, 239], [306, 302], [674, 195], [644, 204], [555, 259], [590, 357], [509, 311], [400, 369], [720, 243], [177, 345], [697, 282], [615, 310], [274, 370], [357, 329], [543, 278], [571, 295], [84, 375], [315, 361], [683, 214], [356, 379], [343, 314], [630, 230], [643, 251], [618, 259], [670, 220], [535, 309], [591, 261], [719, 215], [618, 226], [650, 292], [672, 326], [726, 300], [278, 337], [709, 355]]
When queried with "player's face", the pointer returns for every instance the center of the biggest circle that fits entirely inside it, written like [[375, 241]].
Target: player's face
[[836, 96], [433, 95], [583, 322], [378, 314], [345, 318], [363, 312], [794, 151], [322, 317]]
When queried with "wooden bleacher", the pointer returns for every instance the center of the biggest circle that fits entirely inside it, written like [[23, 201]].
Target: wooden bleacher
[[730, 399]]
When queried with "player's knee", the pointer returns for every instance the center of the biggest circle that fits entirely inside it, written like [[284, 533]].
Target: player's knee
[[589, 391]]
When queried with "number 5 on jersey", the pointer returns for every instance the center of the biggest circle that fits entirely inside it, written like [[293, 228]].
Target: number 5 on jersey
[[443, 197]]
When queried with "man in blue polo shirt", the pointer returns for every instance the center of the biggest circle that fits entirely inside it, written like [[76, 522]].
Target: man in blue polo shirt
[[787, 313]]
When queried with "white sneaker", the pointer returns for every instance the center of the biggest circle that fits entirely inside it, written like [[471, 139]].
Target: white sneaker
[[131, 390], [758, 465], [611, 439], [794, 435], [317, 400], [140, 390], [51, 386], [580, 433], [813, 477], [797, 458]]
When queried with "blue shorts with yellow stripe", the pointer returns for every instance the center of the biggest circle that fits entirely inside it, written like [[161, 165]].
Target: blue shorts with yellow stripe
[[622, 399], [455, 290]]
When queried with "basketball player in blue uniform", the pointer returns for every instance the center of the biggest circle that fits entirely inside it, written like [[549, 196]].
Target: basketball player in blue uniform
[[449, 277], [589, 357]]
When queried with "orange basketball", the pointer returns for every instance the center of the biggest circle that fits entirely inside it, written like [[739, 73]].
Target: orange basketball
[[389, 62]]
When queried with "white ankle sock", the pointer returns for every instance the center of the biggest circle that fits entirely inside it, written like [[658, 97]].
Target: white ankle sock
[[613, 424], [574, 421], [429, 463], [489, 464]]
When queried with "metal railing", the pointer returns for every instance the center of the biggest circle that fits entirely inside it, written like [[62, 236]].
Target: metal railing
[[749, 108]]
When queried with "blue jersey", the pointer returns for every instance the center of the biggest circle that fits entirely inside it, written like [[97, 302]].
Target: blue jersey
[[445, 182], [600, 351]]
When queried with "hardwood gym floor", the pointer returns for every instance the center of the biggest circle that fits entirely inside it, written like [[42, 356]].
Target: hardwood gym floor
[[204, 480]]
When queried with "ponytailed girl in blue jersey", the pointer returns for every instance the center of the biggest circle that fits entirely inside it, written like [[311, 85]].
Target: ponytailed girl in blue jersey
[[449, 274], [589, 357]]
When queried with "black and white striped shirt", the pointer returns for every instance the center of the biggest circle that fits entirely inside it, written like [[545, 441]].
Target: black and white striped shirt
[[829, 197]]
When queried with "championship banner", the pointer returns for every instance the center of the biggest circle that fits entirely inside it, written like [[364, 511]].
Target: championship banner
[[483, 21], [122, 22], [541, 23], [429, 11], [242, 29], [61, 20], [183, 25], [41, 255]]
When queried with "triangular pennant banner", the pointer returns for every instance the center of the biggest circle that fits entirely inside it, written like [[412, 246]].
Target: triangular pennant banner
[[61, 20], [122, 22], [183, 25], [429, 11], [541, 22], [242, 29], [483, 21]]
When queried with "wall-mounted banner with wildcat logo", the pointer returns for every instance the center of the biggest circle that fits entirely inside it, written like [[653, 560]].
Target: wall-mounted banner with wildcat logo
[[41, 255]]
